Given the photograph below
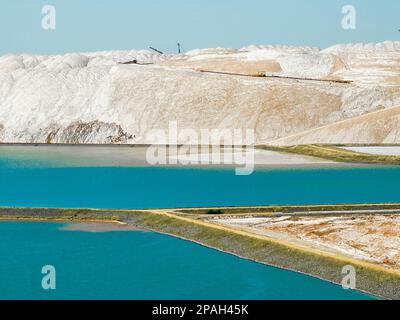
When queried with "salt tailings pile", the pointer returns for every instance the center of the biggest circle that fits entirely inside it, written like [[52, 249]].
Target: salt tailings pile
[[343, 94]]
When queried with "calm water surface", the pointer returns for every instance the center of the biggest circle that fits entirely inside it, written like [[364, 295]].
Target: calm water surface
[[143, 265], [139, 265]]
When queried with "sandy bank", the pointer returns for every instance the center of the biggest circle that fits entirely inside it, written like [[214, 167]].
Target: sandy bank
[[135, 155], [370, 238]]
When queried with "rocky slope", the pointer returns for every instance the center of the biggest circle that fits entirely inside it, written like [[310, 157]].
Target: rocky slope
[[96, 98]]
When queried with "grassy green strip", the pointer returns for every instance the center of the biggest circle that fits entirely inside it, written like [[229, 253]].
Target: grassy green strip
[[58, 214], [334, 153], [300, 210]]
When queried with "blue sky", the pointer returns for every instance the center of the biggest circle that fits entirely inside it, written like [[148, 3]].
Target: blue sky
[[89, 25]]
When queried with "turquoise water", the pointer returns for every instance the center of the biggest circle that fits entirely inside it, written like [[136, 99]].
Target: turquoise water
[[101, 177], [144, 187], [139, 265]]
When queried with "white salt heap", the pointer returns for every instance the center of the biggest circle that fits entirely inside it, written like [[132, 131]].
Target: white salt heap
[[94, 98]]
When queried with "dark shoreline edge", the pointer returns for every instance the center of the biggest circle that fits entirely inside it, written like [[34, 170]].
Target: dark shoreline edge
[[374, 282]]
